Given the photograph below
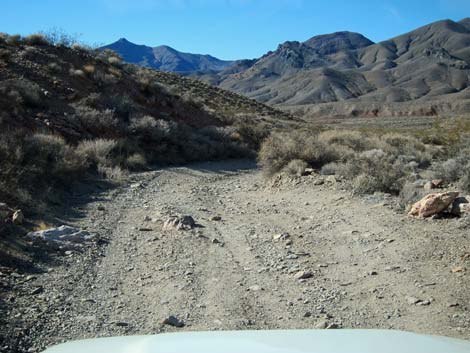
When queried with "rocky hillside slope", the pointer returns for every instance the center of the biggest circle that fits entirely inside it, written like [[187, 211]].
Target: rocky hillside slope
[[66, 112], [165, 58]]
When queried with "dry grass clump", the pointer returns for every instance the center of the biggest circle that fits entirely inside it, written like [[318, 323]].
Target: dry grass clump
[[96, 152]]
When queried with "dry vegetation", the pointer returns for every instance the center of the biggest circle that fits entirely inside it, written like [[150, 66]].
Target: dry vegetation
[[374, 160], [68, 113]]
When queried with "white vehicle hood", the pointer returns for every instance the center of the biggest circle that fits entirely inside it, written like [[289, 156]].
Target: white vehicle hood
[[288, 341]]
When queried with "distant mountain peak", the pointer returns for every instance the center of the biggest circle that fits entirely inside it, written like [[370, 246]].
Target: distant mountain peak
[[338, 41]]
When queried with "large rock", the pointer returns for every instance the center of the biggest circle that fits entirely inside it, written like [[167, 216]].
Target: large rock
[[433, 204], [461, 205], [63, 234], [179, 223]]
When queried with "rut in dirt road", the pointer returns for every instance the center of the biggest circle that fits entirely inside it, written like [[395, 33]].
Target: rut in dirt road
[[364, 264]]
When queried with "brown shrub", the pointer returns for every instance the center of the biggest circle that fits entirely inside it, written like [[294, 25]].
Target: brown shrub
[[35, 39]]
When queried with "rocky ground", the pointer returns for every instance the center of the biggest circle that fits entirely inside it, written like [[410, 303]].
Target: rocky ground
[[302, 254]]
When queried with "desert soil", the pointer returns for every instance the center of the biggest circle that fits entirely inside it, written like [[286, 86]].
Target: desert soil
[[370, 266]]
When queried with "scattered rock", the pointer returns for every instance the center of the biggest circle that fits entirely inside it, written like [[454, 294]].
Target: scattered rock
[[37, 290], [282, 236], [433, 204], [320, 181], [255, 288], [323, 324], [331, 179], [308, 171], [101, 208], [18, 217], [413, 300], [173, 321], [63, 234], [179, 223], [216, 218], [433, 184], [303, 275], [458, 269], [121, 323]]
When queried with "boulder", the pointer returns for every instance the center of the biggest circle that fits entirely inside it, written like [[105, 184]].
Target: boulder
[[461, 205], [433, 184], [17, 217], [179, 223], [62, 234], [433, 204]]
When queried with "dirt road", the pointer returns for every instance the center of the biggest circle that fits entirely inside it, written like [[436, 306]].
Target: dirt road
[[367, 265]]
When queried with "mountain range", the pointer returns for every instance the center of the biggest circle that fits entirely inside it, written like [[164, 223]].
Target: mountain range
[[166, 58], [423, 72]]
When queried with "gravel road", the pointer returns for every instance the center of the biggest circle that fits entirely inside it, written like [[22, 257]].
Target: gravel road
[[304, 254]]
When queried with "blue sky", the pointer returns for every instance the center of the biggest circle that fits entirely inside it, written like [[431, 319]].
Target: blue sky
[[228, 29]]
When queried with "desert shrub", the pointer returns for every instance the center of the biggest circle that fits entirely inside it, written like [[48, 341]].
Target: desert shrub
[[448, 170], [252, 134], [97, 152], [148, 129], [115, 174], [136, 161], [354, 140], [35, 39], [5, 54], [464, 180], [22, 92], [14, 39], [98, 122], [54, 67], [57, 36], [89, 69], [280, 148], [51, 155], [411, 193], [76, 73], [296, 167], [115, 60]]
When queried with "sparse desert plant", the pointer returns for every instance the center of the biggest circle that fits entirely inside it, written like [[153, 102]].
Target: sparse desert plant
[[89, 69], [115, 174], [23, 92], [115, 60], [14, 39], [35, 39], [98, 122], [58, 36], [296, 167], [136, 161], [97, 152]]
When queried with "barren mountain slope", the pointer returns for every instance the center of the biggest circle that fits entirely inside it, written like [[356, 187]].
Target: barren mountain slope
[[431, 63]]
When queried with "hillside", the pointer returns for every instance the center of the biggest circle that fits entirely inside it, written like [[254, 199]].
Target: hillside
[[165, 58], [68, 112], [406, 73]]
